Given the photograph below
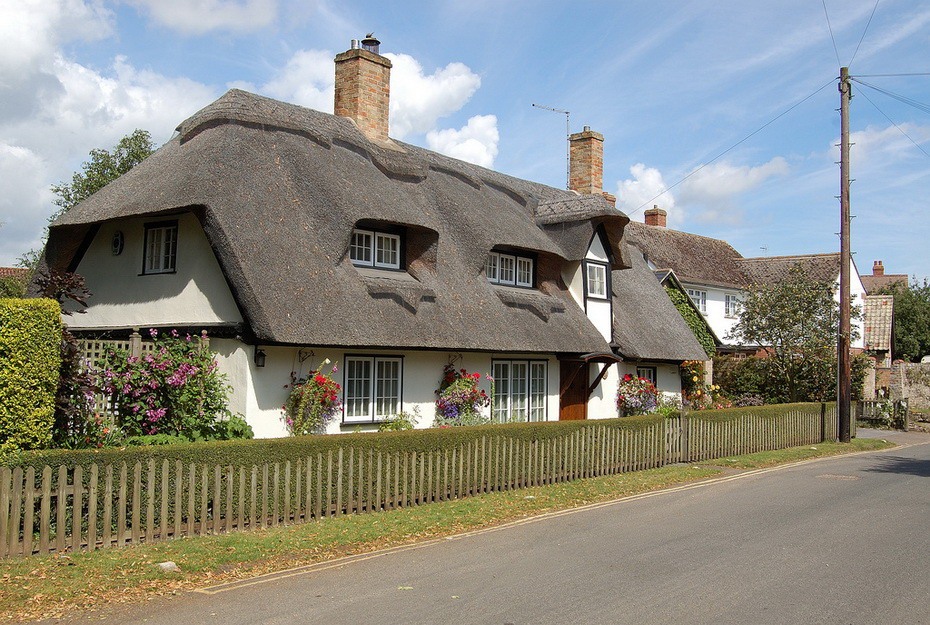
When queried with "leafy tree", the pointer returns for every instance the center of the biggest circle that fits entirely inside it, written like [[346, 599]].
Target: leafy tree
[[102, 168], [796, 320], [911, 319]]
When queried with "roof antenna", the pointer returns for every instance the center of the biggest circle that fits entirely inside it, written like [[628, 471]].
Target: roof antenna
[[567, 142], [764, 249]]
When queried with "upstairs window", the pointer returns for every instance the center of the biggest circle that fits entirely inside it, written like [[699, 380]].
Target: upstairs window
[[161, 247], [510, 269], [370, 248], [699, 298], [596, 280], [730, 305]]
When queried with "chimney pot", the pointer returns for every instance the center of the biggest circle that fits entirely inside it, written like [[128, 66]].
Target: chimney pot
[[655, 216], [878, 269]]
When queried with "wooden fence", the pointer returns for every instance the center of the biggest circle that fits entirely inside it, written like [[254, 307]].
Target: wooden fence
[[101, 507]]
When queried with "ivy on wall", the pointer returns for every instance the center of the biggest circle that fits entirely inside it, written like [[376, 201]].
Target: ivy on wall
[[693, 319]]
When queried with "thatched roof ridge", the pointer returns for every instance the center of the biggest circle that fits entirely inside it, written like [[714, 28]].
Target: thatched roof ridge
[[278, 189]]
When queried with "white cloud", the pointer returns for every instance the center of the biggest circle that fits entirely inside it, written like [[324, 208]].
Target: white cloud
[[476, 142], [196, 17], [883, 146], [418, 101], [307, 79], [634, 194], [31, 31], [712, 190]]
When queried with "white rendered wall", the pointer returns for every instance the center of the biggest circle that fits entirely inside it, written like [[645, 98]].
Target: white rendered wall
[[260, 392], [856, 300], [716, 310], [600, 312], [196, 294]]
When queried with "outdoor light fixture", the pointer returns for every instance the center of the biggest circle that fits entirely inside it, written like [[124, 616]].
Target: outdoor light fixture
[[259, 357]]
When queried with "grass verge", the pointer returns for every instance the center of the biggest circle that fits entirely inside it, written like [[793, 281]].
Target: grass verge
[[52, 587]]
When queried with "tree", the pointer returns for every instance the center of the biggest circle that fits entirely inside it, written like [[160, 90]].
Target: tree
[[911, 319], [103, 167], [796, 320]]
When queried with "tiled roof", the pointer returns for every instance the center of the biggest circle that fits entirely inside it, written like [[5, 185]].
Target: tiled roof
[[878, 321], [773, 269], [14, 272], [873, 283]]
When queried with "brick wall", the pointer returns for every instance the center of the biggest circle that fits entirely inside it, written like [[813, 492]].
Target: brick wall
[[586, 162], [363, 91]]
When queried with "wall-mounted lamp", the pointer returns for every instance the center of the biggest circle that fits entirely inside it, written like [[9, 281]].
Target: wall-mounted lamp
[[259, 357]]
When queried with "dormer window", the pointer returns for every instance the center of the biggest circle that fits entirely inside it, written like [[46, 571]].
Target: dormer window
[[510, 269], [370, 248], [161, 247], [596, 279]]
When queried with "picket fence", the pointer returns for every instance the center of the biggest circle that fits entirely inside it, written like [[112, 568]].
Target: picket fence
[[99, 507]]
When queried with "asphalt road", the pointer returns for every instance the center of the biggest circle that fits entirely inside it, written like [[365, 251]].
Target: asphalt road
[[843, 540]]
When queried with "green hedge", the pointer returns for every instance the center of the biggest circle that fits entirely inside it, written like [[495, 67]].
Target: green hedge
[[30, 355], [694, 320], [270, 450]]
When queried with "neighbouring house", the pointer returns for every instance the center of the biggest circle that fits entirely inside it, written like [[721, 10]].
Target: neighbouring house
[[715, 275], [878, 330], [294, 236], [878, 280]]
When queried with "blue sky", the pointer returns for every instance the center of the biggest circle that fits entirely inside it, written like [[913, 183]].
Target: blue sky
[[670, 85]]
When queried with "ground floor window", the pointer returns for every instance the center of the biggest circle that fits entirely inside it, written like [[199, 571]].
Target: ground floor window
[[647, 372], [372, 388], [519, 390]]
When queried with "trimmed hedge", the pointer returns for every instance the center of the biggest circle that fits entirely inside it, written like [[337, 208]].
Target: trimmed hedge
[[30, 355], [270, 450]]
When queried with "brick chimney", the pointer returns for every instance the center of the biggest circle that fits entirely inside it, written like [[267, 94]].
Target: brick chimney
[[363, 88], [655, 216], [586, 161], [878, 269]]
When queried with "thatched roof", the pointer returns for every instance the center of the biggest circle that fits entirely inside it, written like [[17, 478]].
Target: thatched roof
[[773, 269], [646, 324], [278, 189], [695, 259]]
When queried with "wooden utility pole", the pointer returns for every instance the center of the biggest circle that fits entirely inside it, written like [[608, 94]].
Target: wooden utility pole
[[844, 386]]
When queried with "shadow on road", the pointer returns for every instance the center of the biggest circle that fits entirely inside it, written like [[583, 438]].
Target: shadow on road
[[900, 464]]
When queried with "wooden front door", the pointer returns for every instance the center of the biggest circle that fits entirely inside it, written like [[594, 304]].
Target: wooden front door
[[573, 396]]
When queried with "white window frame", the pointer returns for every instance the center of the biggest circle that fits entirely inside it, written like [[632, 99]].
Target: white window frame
[[520, 390], [374, 398], [649, 373], [373, 243], [596, 285], [730, 303], [161, 248], [510, 269], [699, 298]]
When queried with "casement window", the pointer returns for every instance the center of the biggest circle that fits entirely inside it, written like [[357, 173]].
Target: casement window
[[370, 248], [648, 373], [372, 388], [161, 247], [730, 306], [596, 280], [519, 390], [699, 298], [510, 269]]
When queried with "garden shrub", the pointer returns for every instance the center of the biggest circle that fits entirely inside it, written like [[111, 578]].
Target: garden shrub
[[173, 390], [30, 343]]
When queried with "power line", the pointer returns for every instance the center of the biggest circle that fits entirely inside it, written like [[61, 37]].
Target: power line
[[901, 130], [900, 98], [827, 15], [887, 75], [735, 145], [863, 33]]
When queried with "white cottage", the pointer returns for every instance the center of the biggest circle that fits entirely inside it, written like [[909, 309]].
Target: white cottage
[[293, 236]]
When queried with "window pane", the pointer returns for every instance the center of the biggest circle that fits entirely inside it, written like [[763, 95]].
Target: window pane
[[507, 269], [387, 391], [490, 267], [161, 249], [518, 391], [360, 248], [646, 372], [154, 249], [358, 388], [524, 271], [537, 391], [387, 250], [597, 280], [500, 404]]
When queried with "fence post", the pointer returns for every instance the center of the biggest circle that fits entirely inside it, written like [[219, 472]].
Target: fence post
[[823, 423], [135, 343]]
